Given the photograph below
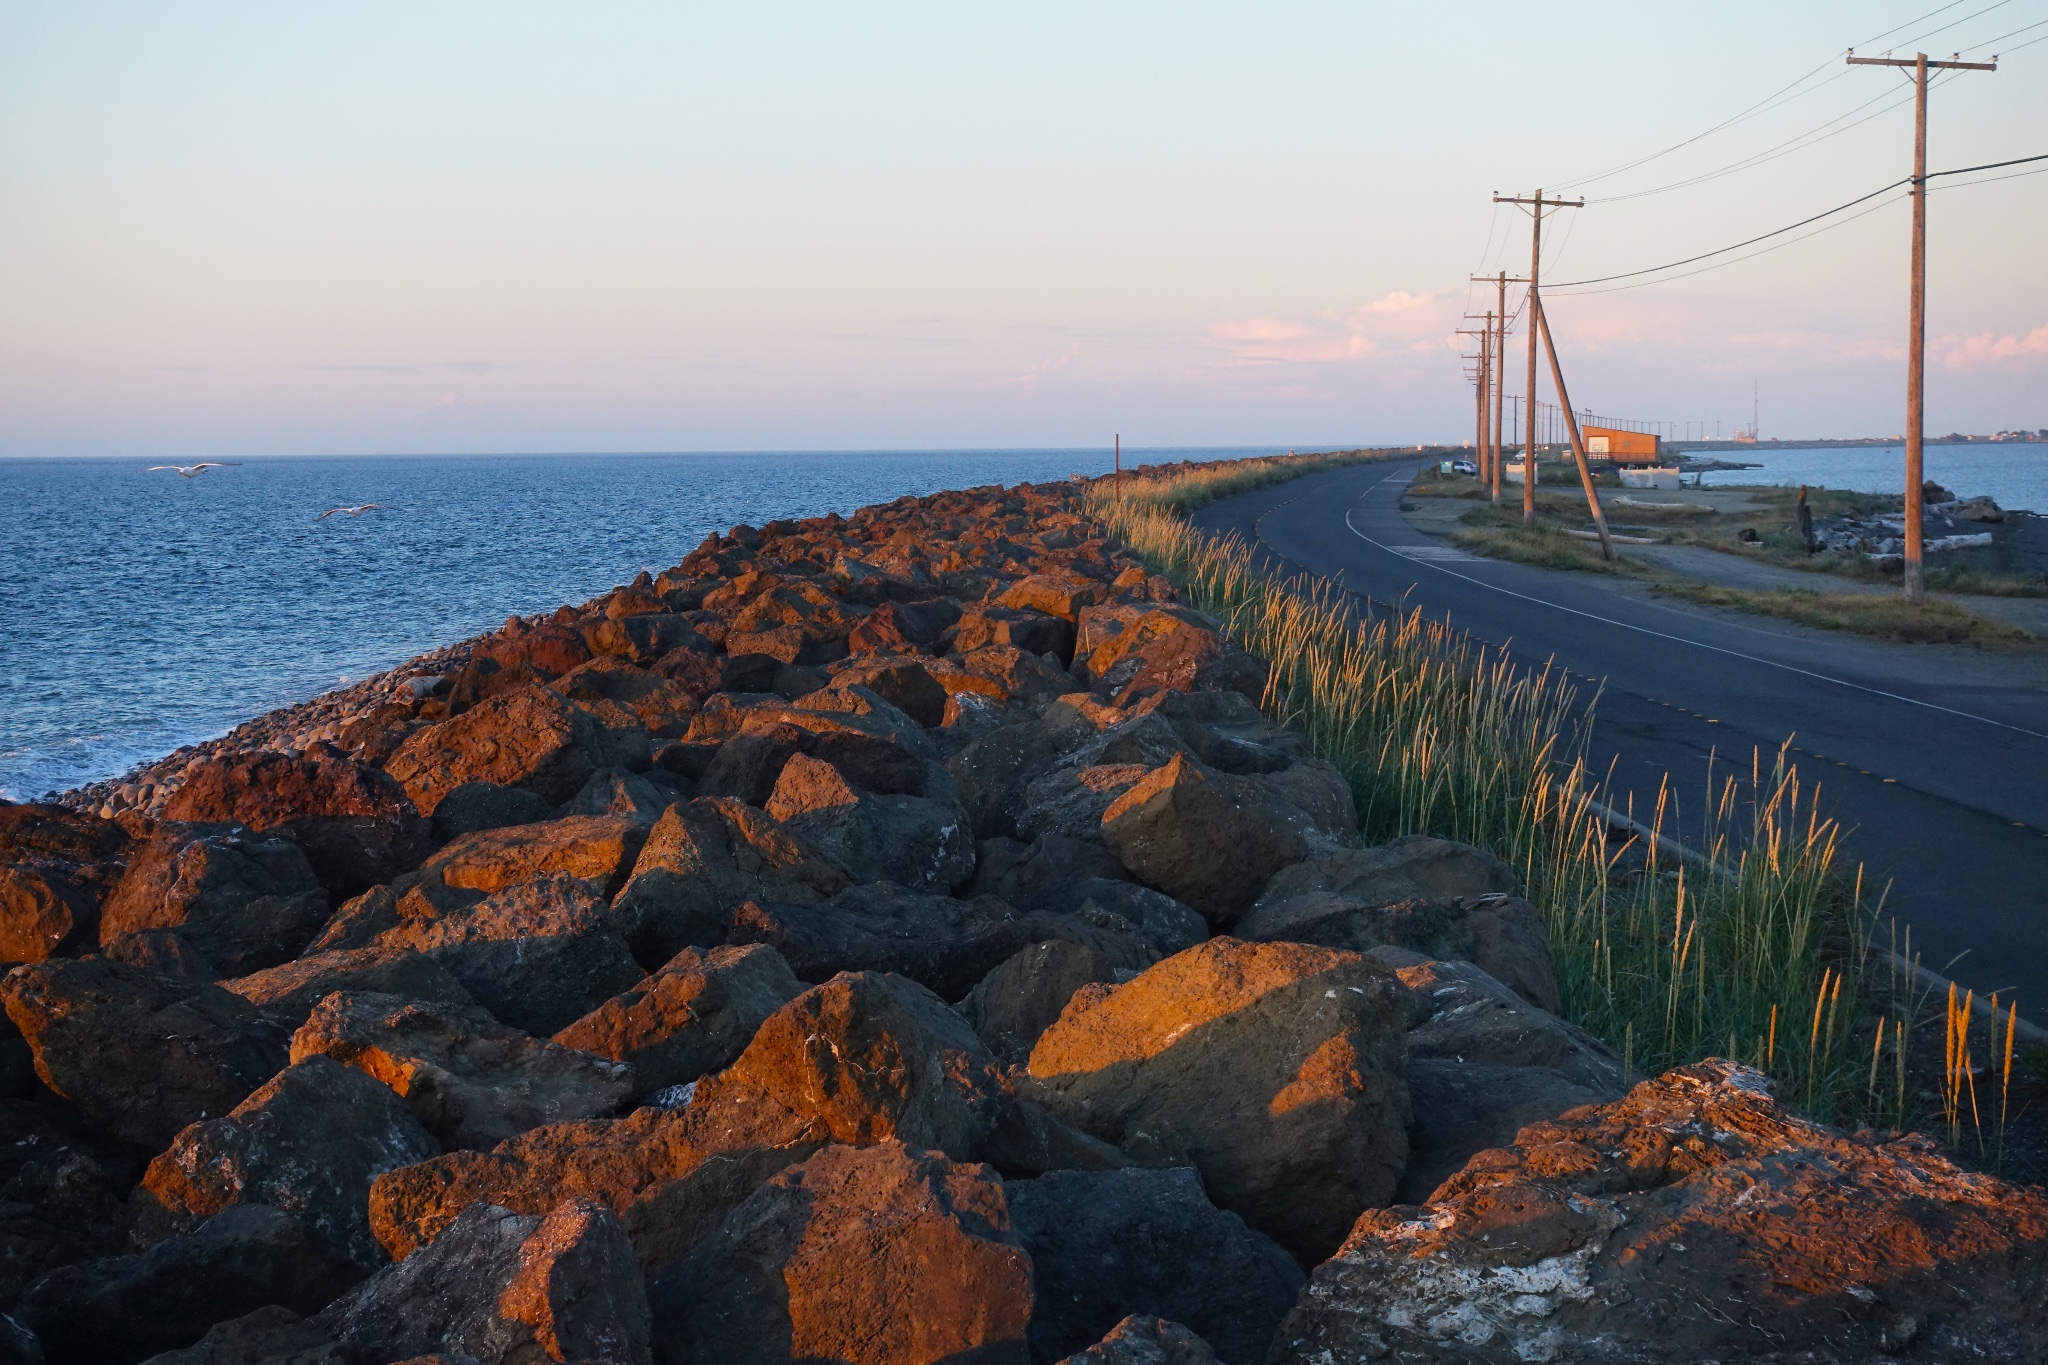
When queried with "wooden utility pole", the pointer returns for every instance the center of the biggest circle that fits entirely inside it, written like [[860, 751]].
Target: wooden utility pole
[[1916, 308], [1486, 441], [1536, 204], [1479, 367], [1119, 459], [1499, 381], [1571, 422]]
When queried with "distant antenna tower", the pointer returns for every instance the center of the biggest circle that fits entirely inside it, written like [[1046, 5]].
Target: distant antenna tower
[[1755, 431]]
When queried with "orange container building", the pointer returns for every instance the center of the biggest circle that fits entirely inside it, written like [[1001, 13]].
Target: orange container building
[[1622, 447]]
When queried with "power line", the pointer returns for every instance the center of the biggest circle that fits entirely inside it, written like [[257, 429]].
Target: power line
[[1778, 232], [1673, 265], [1812, 137], [1761, 251], [1779, 95]]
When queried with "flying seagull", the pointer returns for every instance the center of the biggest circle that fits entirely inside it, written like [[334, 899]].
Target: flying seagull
[[192, 471], [354, 511]]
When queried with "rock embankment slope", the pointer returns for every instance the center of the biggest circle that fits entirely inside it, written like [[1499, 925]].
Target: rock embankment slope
[[896, 938]]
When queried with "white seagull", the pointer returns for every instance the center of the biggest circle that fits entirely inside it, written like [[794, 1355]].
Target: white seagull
[[355, 511], [192, 471]]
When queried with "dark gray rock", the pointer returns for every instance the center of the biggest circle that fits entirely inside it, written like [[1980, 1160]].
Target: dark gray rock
[[475, 806], [123, 1309], [140, 1054], [1106, 1244], [244, 901], [506, 1289], [310, 1141], [538, 955], [1142, 1339]]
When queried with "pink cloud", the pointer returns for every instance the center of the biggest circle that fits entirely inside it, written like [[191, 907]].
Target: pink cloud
[[1399, 321], [1969, 353]]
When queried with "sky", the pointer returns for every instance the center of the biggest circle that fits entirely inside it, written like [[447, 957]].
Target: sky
[[256, 229]]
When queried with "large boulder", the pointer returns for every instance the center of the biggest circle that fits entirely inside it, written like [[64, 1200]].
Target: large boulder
[[309, 1141], [1078, 877], [244, 901], [1483, 1063], [662, 704], [505, 1289], [944, 944], [537, 955], [1142, 1339], [702, 859], [1442, 899], [692, 1017], [871, 1057], [597, 849], [469, 1079], [531, 737], [1209, 839], [272, 1335], [289, 993], [56, 868], [1022, 996], [122, 1309], [1135, 653], [354, 823], [1106, 1244], [922, 844], [476, 806], [140, 1054], [670, 1174], [1597, 1236], [58, 1195], [905, 683], [871, 1254], [904, 627], [1273, 1068], [1460, 1014]]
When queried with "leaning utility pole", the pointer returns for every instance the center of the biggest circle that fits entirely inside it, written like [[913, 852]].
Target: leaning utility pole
[[1537, 203], [1916, 309], [1541, 323]]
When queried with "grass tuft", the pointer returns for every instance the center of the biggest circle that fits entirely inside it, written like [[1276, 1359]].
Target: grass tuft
[[1881, 617]]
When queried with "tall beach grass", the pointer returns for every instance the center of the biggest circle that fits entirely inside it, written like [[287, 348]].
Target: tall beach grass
[[1751, 944]]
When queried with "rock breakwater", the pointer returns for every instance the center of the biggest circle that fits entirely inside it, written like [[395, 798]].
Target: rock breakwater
[[890, 938]]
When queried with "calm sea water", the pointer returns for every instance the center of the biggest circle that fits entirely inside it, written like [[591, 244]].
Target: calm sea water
[[145, 611], [2015, 475]]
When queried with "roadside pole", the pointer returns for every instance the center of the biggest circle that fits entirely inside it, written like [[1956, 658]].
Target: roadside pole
[[1536, 203], [1500, 376], [1541, 323], [1916, 307]]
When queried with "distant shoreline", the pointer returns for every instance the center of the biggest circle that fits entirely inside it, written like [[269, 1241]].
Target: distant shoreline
[[1852, 443]]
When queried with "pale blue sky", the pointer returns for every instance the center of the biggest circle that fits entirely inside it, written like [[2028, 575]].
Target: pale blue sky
[[463, 227]]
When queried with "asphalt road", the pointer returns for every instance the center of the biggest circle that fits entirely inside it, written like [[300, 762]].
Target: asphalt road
[[1934, 758]]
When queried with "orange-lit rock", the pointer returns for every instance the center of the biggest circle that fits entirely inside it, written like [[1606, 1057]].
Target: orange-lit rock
[[1274, 1068]]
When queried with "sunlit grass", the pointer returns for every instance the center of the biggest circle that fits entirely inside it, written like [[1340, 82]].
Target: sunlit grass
[[1750, 948]]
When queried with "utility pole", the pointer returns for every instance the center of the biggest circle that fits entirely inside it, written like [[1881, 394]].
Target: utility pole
[[1536, 204], [1916, 308], [1500, 369], [1119, 461], [1479, 373], [1571, 424]]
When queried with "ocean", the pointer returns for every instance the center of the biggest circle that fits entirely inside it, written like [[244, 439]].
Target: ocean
[[2014, 475], [145, 611]]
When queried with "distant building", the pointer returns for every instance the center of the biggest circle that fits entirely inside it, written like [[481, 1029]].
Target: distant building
[[1622, 447]]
